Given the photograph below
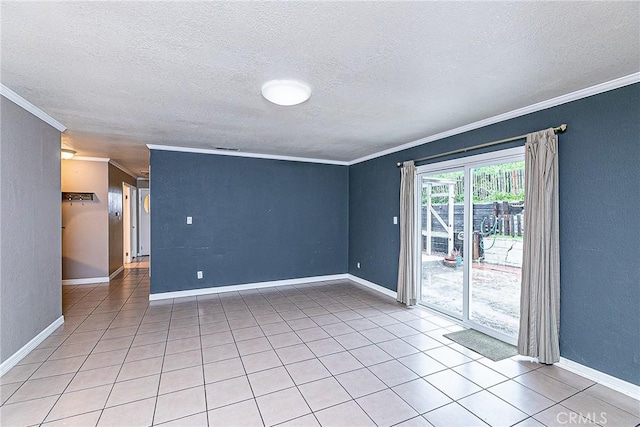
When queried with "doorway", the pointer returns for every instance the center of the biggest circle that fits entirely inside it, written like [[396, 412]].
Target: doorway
[[470, 225], [144, 222], [129, 221], [133, 215]]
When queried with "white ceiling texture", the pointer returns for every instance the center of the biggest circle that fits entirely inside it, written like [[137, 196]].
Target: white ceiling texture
[[121, 75]]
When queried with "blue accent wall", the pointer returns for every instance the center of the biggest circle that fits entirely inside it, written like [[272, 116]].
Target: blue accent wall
[[599, 161], [254, 220], [260, 220]]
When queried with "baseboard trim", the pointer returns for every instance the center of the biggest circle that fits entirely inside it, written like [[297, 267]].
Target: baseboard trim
[[87, 281], [16, 357], [606, 380], [373, 286], [93, 280], [115, 273], [244, 287]]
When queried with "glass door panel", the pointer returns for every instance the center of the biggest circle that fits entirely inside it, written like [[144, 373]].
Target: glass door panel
[[470, 224], [441, 241], [497, 219]]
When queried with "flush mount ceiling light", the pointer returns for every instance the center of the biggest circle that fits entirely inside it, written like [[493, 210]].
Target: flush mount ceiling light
[[66, 154], [286, 92]]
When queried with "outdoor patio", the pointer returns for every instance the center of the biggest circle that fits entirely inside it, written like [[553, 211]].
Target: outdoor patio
[[495, 287]]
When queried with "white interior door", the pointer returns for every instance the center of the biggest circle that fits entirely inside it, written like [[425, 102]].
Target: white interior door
[[126, 223], [133, 247], [144, 222]]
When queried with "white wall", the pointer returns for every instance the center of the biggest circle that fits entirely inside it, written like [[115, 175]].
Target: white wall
[[85, 237]]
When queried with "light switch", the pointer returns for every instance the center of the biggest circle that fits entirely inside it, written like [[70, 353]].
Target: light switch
[[395, 220], [189, 220]]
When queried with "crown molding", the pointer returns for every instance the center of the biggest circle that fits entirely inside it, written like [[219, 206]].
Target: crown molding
[[123, 169], [90, 159], [243, 154], [553, 102], [17, 99]]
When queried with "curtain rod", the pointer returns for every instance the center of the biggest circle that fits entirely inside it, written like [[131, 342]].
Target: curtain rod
[[558, 129]]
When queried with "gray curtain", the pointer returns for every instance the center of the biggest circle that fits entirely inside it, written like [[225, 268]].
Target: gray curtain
[[540, 297], [407, 289]]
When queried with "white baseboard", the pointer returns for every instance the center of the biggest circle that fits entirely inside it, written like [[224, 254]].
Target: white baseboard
[[93, 280], [115, 273], [26, 349], [87, 281], [244, 287], [372, 285], [600, 377]]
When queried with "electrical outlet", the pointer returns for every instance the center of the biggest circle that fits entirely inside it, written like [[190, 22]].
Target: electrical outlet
[[395, 220], [199, 274], [358, 265], [189, 220]]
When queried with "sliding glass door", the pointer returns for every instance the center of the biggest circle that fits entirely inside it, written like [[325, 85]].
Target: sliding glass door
[[470, 224], [494, 282], [441, 248]]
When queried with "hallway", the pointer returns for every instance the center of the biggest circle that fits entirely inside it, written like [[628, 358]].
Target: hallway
[[315, 354]]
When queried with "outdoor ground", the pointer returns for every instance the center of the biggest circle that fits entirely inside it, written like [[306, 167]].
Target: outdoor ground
[[495, 291]]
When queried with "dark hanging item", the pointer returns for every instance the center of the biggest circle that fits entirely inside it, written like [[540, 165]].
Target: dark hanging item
[[77, 197]]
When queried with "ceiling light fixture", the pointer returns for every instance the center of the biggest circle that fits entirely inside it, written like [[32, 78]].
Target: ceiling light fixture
[[66, 153], [286, 92]]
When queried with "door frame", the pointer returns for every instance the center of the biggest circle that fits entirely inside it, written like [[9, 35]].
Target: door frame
[[127, 221], [422, 171], [133, 202], [465, 164], [142, 191]]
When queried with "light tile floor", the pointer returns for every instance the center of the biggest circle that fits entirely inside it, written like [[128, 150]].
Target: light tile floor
[[330, 354]]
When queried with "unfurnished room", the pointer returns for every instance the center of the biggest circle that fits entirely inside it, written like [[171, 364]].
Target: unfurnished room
[[224, 213]]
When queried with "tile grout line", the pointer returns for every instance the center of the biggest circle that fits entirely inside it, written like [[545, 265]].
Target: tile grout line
[[334, 376], [292, 380], [244, 368], [387, 387], [295, 385], [204, 378], [307, 297], [128, 349], [86, 357], [76, 372], [445, 369], [164, 354]]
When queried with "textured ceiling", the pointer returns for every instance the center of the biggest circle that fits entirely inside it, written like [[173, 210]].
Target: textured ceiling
[[123, 74]]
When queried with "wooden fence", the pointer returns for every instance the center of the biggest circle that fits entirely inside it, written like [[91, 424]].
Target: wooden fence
[[497, 218]]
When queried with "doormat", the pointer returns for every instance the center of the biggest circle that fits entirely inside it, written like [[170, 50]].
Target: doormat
[[485, 345]]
